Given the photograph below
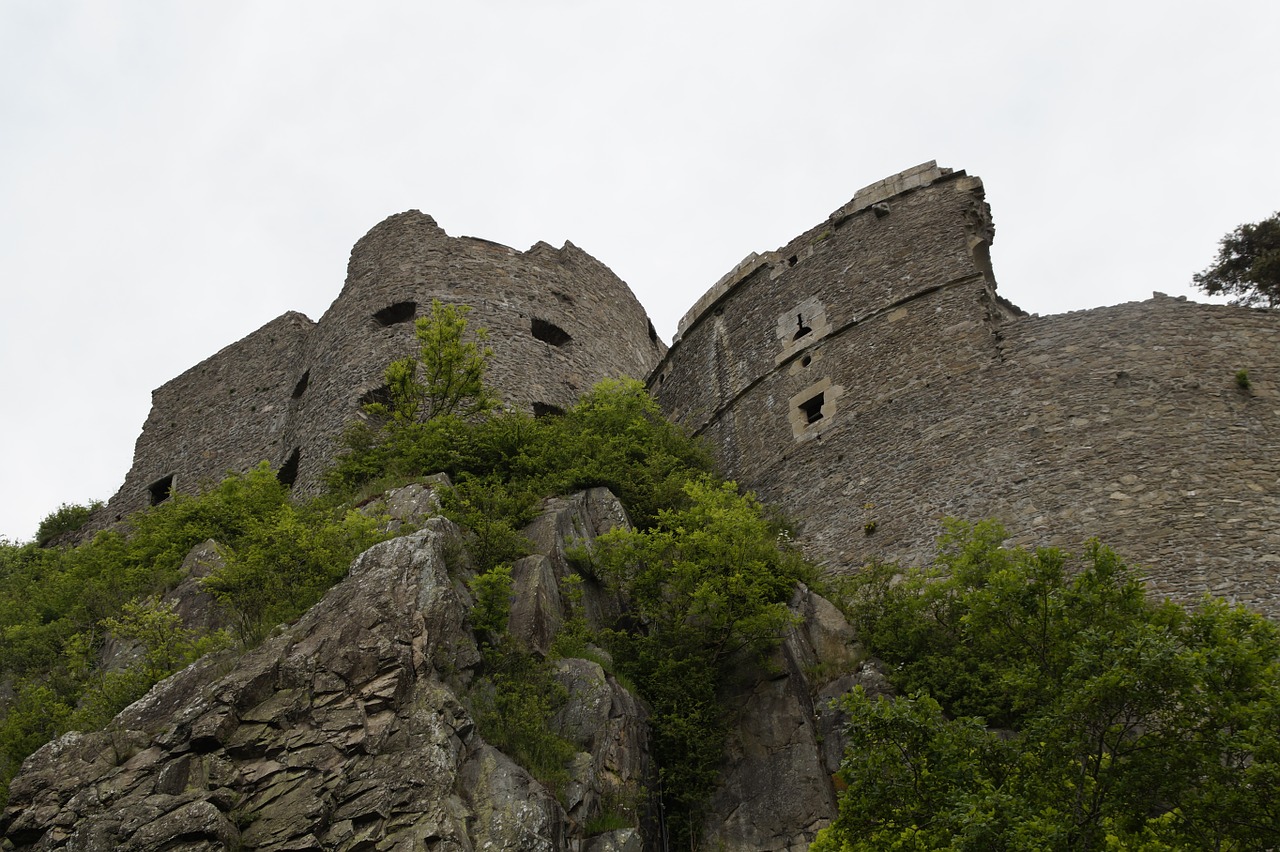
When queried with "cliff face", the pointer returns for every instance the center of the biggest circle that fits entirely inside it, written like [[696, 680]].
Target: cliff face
[[351, 730]]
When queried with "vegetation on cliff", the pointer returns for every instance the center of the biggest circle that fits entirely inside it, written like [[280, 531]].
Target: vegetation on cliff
[[1046, 705], [59, 607], [704, 574]]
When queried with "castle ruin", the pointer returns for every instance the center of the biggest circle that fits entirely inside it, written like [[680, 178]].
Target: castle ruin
[[866, 378]]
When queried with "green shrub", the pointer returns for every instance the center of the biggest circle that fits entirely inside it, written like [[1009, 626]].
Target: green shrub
[[68, 517], [1047, 708]]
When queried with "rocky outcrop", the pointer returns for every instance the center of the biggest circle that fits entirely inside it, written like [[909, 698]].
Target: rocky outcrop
[[351, 729]]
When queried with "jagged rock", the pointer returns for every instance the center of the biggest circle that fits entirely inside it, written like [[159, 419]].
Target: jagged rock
[[566, 524], [610, 726], [350, 729], [776, 789], [412, 504], [196, 607], [338, 731]]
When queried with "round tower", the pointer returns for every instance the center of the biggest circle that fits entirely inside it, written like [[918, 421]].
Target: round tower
[[559, 321]]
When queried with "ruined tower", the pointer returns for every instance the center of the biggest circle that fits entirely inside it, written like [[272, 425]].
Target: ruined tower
[[559, 321], [867, 379]]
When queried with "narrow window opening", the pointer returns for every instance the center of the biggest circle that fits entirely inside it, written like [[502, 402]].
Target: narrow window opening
[[392, 314], [801, 328], [812, 408], [653, 333], [301, 387], [806, 360], [161, 490], [288, 472], [381, 394], [546, 409], [549, 332], [791, 261]]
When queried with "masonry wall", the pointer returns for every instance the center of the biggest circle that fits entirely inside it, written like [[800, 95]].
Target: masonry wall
[[940, 399], [559, 321], [226, 413]]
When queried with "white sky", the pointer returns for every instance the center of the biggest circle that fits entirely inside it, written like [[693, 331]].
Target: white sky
[[174, 175]]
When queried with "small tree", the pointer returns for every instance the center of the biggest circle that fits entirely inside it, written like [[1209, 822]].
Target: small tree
[[446, 377], [1248, 265]]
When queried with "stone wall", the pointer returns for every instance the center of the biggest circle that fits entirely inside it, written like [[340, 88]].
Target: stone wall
[[226, 413], [559, 321], [917, 393]]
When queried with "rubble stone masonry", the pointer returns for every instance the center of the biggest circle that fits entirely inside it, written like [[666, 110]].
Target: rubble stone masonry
[[865, 377]]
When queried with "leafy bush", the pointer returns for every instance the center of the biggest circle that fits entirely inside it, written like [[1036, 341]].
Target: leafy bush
[[68, 517], [708, 587], [58, 605], [1114, 722]]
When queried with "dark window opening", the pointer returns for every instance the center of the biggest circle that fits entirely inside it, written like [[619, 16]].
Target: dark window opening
[[812, 409], [549, 332], [161, 490], [791, 261], [380, 394], [806, 360], [301, 387], [546, 409], [801, 328], [288, 472], [392, 314], [653, 333]]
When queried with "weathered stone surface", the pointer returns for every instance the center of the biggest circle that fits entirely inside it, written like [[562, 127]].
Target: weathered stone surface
[[285, 392], [269, 756], [349, 729], [776, 789], [934, 397]]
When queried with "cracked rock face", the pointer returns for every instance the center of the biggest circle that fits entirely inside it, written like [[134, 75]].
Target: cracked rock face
[[339, 733], [350, 729]]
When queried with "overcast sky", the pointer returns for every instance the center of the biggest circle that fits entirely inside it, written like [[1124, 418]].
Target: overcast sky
[[174, 175]]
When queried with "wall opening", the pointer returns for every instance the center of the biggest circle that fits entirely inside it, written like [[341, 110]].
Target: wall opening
[[301, 387], [397, 313], [811, 408], [160, 490], [801, 328], [288, 472], [546, 409], [549, 332], [653, 332], [381, 394]]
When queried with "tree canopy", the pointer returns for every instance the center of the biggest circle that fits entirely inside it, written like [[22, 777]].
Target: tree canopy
[[1247, 267], [1046, 705]]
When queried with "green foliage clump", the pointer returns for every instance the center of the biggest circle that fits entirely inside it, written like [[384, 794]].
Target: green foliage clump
[[1055, 709], [58, 606], [1247, 267], [517, 693], [615, 436], [707, 587], [68, 517]]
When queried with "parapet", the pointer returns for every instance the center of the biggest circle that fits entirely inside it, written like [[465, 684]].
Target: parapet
[[867, 197]]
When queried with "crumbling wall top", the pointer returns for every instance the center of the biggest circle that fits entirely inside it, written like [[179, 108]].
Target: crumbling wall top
[[870, 195]]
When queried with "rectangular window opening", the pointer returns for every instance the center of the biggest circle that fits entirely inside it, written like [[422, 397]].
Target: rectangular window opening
[[812, 408]]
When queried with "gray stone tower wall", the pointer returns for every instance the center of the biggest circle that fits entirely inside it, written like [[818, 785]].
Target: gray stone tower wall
[[559, 321], [226, 413], [589, 326], [918, 393]]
